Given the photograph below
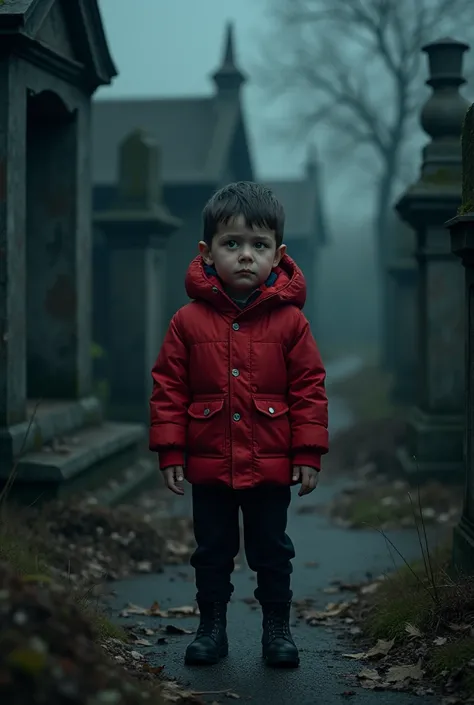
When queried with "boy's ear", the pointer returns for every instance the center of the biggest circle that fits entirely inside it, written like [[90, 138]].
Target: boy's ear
[[205, 251], [278, 255]]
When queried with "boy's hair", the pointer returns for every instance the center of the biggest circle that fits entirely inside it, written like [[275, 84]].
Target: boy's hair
[[255, 202]]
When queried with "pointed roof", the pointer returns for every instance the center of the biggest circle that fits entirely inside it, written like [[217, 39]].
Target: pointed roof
[[195, 134], [229, 76], [66, 38]]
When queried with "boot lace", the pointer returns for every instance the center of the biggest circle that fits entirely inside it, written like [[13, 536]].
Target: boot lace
[[277, 626], [211, 622]]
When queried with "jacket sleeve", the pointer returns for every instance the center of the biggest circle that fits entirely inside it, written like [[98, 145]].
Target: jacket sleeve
[[170, 399], [307, 398]]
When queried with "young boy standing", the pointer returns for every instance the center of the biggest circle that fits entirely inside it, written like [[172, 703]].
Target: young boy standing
[[239, 409]]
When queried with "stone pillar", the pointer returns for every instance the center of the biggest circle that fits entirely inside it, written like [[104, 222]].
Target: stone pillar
[[136, 230], [462, 243], [435, 428], [12, 251], [403, 273]]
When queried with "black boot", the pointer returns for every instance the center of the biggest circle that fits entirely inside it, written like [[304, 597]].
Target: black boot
[[210, 643], [278, 647]]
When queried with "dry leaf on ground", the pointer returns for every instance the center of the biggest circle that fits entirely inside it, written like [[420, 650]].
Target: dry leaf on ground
[[381, 648]]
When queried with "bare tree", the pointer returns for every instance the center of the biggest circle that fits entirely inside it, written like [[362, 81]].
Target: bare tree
[[356, 66]]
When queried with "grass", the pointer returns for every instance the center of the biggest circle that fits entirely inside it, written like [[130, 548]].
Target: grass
[[364, 510], [366, 506], [423, 595], [24, 552], [27, 558], [392, 610]]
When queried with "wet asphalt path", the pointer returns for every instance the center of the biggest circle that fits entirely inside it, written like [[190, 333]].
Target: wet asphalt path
[[324, 675]]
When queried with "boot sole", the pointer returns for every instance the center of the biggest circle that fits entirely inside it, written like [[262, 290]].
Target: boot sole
[[205, 660], [281, 662]]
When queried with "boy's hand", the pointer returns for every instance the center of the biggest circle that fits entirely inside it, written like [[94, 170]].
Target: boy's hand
[[309, 478], [174, 475]]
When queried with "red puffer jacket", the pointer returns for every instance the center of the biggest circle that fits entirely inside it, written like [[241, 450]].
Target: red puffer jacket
[[239, 393]]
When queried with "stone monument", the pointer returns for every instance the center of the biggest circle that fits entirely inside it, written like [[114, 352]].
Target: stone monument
[[136, 230], [462, 243], [435, 429]]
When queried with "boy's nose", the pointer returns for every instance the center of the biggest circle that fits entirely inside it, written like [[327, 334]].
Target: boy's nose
[[246, 255]]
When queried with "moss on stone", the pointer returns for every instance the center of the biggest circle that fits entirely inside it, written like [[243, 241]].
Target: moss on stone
[[441, 177]]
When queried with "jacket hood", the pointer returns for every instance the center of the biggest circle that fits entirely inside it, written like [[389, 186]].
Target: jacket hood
[[285, 285]]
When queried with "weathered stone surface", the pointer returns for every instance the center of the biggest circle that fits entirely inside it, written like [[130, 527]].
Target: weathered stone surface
[[133, 257], [467, 142], [45, 248], [435, 440], [462, 243]]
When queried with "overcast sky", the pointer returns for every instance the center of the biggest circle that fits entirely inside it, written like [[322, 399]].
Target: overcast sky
[[169, 48]]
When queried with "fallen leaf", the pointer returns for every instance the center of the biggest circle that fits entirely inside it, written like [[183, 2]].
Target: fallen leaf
[[172, 629], [185, 610], [381, 648], [412, 630], [133, 609], [332, 610], [400, 674], [142, 642], [440, 641], [370, 674], [144, 567], [156, 611], [459, 627], [155, 670], [369, 589]]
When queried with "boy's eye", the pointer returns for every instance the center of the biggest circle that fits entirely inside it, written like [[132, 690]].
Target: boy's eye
[[231, 244], [260, 245]]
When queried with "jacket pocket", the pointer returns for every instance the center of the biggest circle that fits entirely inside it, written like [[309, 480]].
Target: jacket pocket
[[206, 428], [271, 428]]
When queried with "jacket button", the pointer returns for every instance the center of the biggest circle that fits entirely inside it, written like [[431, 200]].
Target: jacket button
[[271, 410], [235, 373], [236, 417], [215, 290], [235, 326], [206, 412]]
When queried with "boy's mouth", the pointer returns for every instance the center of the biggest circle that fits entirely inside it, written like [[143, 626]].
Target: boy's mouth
[[246, 271]]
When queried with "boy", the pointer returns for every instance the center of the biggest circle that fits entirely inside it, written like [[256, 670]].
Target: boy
[[239, 409]]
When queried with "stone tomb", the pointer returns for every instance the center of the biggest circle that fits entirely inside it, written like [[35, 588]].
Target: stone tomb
[[129, 276], [53, 56]]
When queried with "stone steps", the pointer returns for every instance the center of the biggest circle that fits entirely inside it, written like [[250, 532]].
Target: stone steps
[[86, 460], [134, 480]]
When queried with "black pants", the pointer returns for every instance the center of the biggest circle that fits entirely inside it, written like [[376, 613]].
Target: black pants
[[267, 547]]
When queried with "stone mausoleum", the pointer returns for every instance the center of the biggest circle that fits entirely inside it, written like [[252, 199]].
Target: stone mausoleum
[[53, 57]]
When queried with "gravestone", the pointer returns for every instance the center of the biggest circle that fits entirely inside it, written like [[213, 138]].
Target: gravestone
[[462, 243], [135, 230], [435, 427]]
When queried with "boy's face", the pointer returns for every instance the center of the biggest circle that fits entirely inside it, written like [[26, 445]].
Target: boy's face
[[243, 257]]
